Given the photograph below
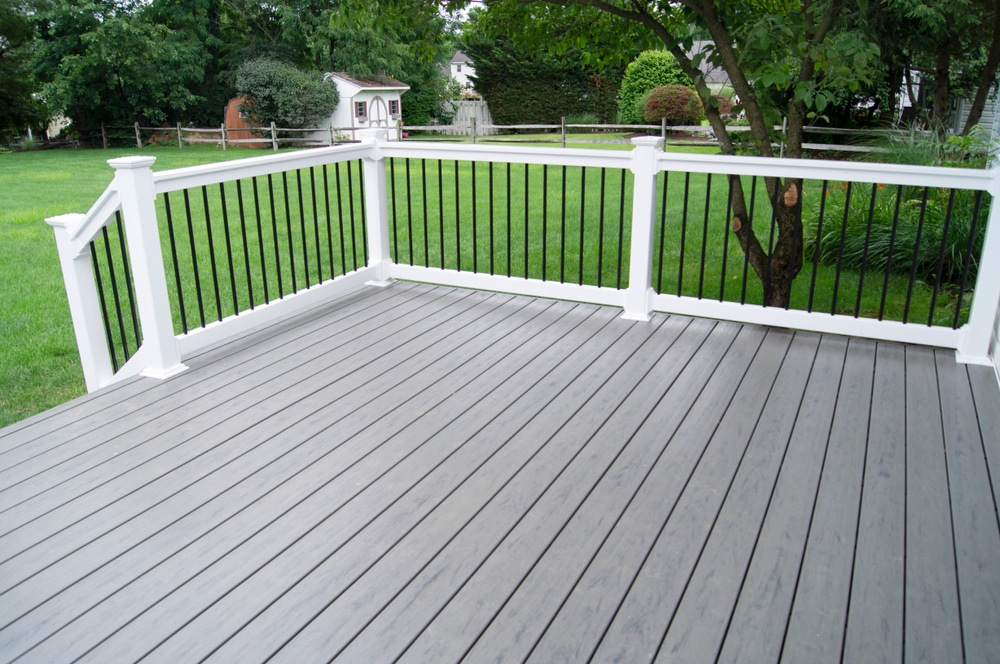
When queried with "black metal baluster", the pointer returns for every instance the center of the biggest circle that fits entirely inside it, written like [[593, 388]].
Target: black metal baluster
[[817, 244], [246, 247], [770, 244], [340, 221], [704, 234], [423, 183], [104, 306], [194, 258], [127, 274], [114, 292], [840, 250], [409, 210], [864, 254], [260, 240], [746, 254], [319, 242], [940, 267], [892, 249], [967, 260], [395, 216], [475, 229], [916, 255], [288, 225], [275, 235], [440, 164], [684, 223], [527, 222], [725, 239], [173, 255], [545, 220], [364, 212], [621, 227], [508, 219], [562, 230], [583, 198], [492, 247], [211, 252], [329, 226], [458, 224], [663, 232], [600, 227], [302, 227], [229, 248]]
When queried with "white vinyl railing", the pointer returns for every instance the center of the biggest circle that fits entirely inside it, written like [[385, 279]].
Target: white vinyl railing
[[135, 191]]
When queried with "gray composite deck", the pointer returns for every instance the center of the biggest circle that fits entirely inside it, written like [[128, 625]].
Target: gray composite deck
[[431, 475]]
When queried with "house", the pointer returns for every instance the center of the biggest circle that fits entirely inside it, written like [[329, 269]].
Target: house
[[366, 103], [461, 69]]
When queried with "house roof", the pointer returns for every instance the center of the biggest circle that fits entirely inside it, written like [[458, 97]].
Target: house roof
[[381, 83], [460, 58]]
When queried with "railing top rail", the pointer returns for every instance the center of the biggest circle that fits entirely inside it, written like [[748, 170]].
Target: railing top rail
[[822, 169], [84, 228], [504, 153], [226, 171]]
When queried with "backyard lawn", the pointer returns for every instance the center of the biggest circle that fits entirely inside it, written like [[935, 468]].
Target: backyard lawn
[[39, 363], [277, 234]]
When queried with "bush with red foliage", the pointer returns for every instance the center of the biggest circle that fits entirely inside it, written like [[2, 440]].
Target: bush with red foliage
[[679, 104]]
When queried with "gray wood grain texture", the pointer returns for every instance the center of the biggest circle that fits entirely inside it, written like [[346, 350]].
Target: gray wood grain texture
[[427, 474]]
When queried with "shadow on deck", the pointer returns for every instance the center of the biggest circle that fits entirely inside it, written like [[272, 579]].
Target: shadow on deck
[[429, 474]]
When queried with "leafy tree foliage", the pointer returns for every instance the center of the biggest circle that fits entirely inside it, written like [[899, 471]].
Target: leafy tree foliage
[[104, 63], [677, 104], [283, 94], [954, 45], [523, 86], [18, 108], [649, 70]]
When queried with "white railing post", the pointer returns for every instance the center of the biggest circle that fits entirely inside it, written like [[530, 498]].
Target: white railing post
[[84, 303], [377, 207], [638, 296], [134, 181], [974, 343]]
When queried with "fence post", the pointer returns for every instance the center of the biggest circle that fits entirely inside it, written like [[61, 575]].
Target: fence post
[[663, 130], [138, 136], [638, 296], [977, 334], [84, 303], [134, 181], [223, 128], [562, 125], [472, 125], [375, 204], [104, 137], [331, 134], [274, 139], [180, 142]]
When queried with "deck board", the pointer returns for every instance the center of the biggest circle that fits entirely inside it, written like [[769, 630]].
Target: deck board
[[419, 474]]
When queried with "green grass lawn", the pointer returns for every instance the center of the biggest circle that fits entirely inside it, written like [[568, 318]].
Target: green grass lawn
[[39, 365], [562, 225]]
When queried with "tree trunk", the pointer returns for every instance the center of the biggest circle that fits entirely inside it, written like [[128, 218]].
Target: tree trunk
[[941, 105], [986, 78]]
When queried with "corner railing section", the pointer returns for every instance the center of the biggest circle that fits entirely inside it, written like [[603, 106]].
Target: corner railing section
[[887, 252]]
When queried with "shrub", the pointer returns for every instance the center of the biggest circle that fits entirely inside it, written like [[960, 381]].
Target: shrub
[[912, 244], [677, 104], [278, 92], [647, 71]]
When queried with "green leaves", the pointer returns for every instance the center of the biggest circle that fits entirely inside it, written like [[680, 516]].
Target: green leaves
[[280, 93]]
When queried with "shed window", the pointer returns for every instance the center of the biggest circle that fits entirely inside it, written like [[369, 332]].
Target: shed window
[[394, 107], [360, 109]]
